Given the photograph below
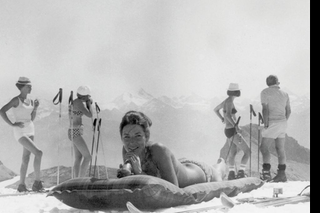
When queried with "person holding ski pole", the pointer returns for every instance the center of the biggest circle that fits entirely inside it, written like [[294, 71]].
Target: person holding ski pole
[[233, 132], [276, 111], [24, 112], [81, 106]]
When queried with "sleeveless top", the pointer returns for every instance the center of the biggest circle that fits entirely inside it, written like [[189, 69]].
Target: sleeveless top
[[22, 113]]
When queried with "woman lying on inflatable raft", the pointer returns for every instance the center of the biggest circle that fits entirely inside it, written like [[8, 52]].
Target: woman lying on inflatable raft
[[151, 176]]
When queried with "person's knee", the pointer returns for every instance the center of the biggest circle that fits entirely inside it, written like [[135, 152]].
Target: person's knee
[[264, 149], [39, 154]]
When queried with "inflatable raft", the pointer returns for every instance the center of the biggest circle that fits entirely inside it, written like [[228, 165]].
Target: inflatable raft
[[143, 191]]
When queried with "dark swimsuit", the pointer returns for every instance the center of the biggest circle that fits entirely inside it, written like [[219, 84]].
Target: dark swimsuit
[[231, 131]]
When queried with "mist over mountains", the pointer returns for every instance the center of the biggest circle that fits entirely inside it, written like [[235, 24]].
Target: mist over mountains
[[186, 124]]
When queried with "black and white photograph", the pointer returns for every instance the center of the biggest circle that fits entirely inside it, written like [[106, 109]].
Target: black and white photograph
[[141, 106]]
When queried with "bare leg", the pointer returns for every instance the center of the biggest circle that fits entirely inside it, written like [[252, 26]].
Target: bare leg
[[28, 145], [232, 153], [24, 165], [264, 148], [279, 143], [81, 146], [77, 161], [242, 144]]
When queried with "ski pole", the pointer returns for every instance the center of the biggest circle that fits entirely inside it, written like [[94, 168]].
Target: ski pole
[[260, 121], [254, 114], [93, 139], [71, 129], [97, 147], [55, 102], [232, 138]]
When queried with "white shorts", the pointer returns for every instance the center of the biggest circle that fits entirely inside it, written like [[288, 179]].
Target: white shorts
[[275, 130], [26, 131]]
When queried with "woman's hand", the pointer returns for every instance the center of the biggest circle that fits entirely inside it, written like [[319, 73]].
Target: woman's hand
[[135, 162], [18, 124], [239, 130], [124, 170], [36, 103]]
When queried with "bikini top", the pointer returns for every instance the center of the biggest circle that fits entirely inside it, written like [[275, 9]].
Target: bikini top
[[233, 110], [148, 166], [75, 112]]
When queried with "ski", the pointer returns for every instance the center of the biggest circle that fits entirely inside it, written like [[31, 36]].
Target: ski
[[227, 203], [24, 193]]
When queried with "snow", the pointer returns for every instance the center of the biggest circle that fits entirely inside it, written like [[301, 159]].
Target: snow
[[39, 203]]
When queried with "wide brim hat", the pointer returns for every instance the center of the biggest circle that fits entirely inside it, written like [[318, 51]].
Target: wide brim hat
[[84, 90], [24, 81], [234, 87]]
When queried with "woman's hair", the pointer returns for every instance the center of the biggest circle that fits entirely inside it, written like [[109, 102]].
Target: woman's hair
[[20, 86], [134, 117], [234, 93]]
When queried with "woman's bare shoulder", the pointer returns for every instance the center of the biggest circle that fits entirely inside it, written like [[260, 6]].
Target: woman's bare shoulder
[[158, 149]]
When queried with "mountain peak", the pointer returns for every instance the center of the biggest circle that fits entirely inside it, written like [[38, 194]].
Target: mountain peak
[[142, 93]]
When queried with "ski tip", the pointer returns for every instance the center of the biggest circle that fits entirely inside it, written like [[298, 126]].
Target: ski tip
[[132, 208], [226, 201]]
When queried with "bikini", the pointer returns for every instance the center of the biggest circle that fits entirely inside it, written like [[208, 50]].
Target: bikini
[[75, 131], [150, 168], [230, 131]]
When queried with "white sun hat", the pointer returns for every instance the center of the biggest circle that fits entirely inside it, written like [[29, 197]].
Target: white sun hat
[[233, 87], [24, 81], [84, 90]]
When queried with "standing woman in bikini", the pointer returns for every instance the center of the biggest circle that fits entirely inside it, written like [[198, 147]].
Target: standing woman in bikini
[[81, 106], [24, 112], [233, 132]]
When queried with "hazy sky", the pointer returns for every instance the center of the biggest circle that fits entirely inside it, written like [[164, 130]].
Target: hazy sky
[[167, 47]]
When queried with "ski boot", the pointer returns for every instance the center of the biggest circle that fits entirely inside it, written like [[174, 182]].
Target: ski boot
[[241, 174], [280, 177], [22, 188], [232, 175], [37, 186]]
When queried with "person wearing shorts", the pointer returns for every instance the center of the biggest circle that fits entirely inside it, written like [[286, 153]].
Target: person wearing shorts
[[81, 106], [233, 133], [276, 111], [24, 111]]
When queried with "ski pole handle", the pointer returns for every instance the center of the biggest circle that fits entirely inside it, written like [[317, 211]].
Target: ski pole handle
[[99, 124], [238, 120], [71, 98], [97, 107], [252, 110], [58, 95], [260, 118]]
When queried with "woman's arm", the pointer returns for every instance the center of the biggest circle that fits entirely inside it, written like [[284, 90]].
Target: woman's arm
[[79, 105], [34, 111], [217, 111], [3, 111], [228, 114], [162, 156]]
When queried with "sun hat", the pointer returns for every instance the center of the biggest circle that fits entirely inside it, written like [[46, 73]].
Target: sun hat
[[24, 81], [272, 80], [83, 90], [233, 87]]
